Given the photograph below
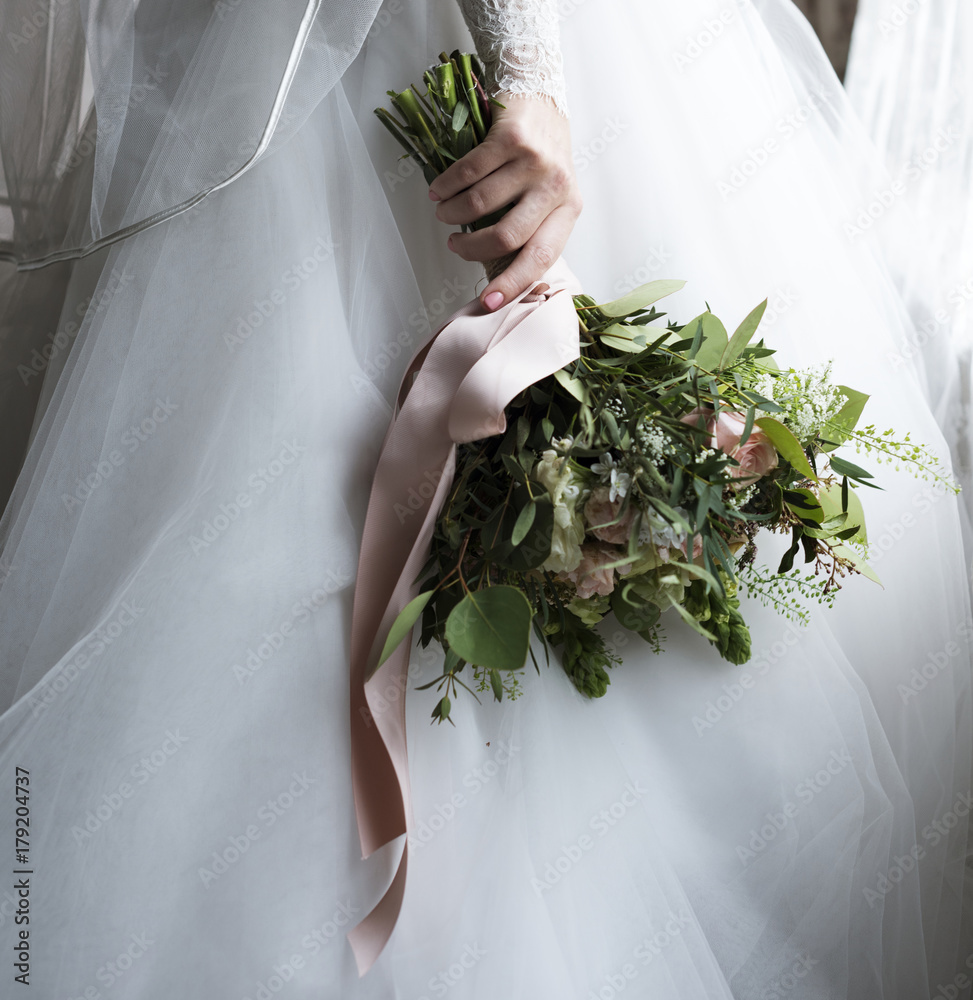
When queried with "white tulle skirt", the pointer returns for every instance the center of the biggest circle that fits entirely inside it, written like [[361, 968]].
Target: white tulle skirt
[[910, 80], [180, 551]]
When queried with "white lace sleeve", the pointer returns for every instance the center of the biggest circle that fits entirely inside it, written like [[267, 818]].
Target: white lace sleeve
[[518, 43]]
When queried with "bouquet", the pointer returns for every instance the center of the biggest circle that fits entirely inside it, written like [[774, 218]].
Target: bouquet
[[636, 482]]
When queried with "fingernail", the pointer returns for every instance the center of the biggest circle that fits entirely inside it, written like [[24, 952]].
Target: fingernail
[[433, 196], [449, 243], [493, 301]]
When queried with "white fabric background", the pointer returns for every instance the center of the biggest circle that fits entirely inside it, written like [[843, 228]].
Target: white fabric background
[[175, 655]]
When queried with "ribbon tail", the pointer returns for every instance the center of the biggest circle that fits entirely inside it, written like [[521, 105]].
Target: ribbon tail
[[475, 365], [369, 938]]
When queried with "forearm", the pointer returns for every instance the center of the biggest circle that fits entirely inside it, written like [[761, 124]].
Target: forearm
[[518, 42]]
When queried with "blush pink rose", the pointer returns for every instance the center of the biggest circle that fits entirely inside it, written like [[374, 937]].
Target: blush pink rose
[[756, 455], [600, 512], [594, 575], [697, 546]]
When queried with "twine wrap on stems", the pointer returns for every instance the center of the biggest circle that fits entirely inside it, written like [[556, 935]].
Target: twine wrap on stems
[[494, 268]]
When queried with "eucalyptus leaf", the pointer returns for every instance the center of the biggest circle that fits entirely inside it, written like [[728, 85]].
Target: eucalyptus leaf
[[631, 611], [835, 503], [524, 521], [846, 468], [846, 552], [641, 298], [845, 420], [714, 343], [402, 625], [742, 336], [628, 339], [572, 385], [782, 438], [491, 628]]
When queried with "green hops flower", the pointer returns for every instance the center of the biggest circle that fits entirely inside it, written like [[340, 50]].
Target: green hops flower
[[586, 660], [721, 613]]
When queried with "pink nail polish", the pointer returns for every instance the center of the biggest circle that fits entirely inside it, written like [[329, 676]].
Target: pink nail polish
[[434, 197], [493, 301]]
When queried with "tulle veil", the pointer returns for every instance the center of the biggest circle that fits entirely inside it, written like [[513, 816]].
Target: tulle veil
[[214, 272]]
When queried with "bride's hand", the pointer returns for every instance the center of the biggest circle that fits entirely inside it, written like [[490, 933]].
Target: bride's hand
[[525, 160]]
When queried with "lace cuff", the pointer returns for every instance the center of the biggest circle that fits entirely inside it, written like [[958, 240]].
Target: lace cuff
[[518, 43]]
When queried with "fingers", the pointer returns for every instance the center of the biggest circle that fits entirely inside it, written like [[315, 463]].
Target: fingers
[[506, 236], [481, 161], [536, 257], [495, 191]]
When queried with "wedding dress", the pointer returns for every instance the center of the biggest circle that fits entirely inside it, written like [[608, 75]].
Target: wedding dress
[[180, 545], [910, 77]]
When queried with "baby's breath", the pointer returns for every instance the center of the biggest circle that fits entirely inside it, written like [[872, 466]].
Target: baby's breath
[[808, 398]]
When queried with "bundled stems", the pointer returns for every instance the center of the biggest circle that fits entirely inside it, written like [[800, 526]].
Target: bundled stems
[[442, 125]]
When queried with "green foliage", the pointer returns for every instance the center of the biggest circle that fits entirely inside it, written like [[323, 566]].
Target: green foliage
[[621, 490]]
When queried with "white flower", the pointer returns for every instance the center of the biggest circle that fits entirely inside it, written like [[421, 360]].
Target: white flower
[[619, 485], [607, 471], [603, 467], [652, 440], [808, 398], [555, 472], [655, 530]]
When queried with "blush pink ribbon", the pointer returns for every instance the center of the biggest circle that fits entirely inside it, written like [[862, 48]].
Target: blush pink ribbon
[[476, 363]]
